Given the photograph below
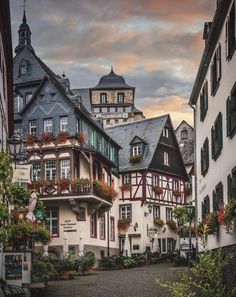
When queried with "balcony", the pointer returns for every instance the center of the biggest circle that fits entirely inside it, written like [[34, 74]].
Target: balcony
[[80, 189]]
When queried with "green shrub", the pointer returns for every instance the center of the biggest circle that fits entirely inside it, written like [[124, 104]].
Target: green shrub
[[180, 261], [87, 261], [43, 270]]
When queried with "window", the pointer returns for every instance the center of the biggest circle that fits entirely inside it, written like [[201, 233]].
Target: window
[[166, 159], [28, 96], [63, 124], [65, 169], [230, 41], [205, 157], [175, 185], [103, 98], [205, 207], [204, 101], [50, 170], [33, 127], [169, 214], [156, 212], [163, 245], [102, 227], [217, 196], [135, 247], [52, 221], [112, 228], [81, 216], [120, 97], [231, 182], [93, 225], [165, 132], [18, 104], [136, 150], [93, 138], [170, 244], [184, 134], [23, 69], [216, 70], [216, 138], [116, 121], [155, 180], [127, 179], [231, 113], [36, 169], [48, 125], [125, 211]]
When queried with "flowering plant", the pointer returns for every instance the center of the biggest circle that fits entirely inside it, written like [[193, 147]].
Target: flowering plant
[[62, 136], [81, 138], [30, 140], [226, 216], [135, 159], [212, 223], [124, 223], [172, 225], [157, 190], [126, 187], [177, 193], [105, 191], [158, 222], [46, 138], [63, 184]]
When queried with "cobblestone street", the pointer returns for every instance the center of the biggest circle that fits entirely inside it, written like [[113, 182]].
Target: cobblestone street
[[136, 282]]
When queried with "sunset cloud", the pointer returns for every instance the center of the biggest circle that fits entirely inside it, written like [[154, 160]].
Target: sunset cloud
[[156, 45]]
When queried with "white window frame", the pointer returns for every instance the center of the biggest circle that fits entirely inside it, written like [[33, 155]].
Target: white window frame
[[102, 227], [136, 150], [120, 97], [166, 159], [47, 126], [18, 103], [50, 170], [64, 123], [52, 218], [65, 168], [155, 180], [103, 98], [166, 132], [127, 179], [36, 171], [175, 185], [112, 228], [93, 225], [125, 211], [169, 214], [156, 212], [23, 69], [33, 127]]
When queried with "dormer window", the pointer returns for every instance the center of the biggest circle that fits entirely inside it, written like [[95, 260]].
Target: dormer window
[[136, 150], [103, 98], [166, 132], [184, 134], [23, 69], [120, 97]]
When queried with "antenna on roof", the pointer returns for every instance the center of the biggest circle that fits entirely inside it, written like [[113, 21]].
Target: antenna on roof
[[63, 74]]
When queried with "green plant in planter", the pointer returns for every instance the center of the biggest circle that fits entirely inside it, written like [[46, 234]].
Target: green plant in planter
[[227, 216], [43, 270], [86, 262], [158, 222], [212, 223], [135, 159]]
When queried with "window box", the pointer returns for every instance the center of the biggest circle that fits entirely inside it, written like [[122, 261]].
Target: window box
[[46, 138], [62, 137], [158, 222], [135, 159], [31, 140], [63, 184], [123, 224], [176, 193], [35, 185], [126, 187], [157, 190], [104, 191], [172, 226], [81, 185]]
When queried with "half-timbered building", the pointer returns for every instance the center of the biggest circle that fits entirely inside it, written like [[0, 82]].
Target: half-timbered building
[[152, 182]]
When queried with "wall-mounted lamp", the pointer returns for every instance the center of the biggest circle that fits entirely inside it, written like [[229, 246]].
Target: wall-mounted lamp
[[135, 226], [149, 210]]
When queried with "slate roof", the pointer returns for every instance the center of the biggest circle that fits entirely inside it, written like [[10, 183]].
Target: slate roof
[[112, 80], [85, 97], [149, 130]]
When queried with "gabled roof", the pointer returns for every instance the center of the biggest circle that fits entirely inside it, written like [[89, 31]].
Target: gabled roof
[[137, 139], [149, 130], [112, 81], [183, 122]]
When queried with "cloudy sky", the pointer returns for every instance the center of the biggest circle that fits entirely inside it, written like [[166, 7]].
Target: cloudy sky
[[155, 44]]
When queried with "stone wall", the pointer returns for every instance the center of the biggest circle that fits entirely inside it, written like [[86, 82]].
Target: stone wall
[[112, 96]]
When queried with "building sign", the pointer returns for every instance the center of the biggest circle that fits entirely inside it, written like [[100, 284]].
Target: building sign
[[21, 174], [69, 226]]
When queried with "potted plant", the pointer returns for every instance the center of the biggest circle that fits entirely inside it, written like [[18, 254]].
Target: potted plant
[[158, 222], [126, 187], [212, 223], [63, 184], [35, 185], [172, 225], [123, 224], [46, 138], [81, 185], [104, 191], [135, 159], [62, 137], [31, 140], [226, 216], [176, 193], [157, 190], [81, 137]]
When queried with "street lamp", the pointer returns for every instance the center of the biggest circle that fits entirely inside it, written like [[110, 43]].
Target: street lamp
[[190, 214], [15, 147]]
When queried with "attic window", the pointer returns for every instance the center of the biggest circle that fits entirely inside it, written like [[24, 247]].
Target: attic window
[[23, 69], [166, 132], [166, 159], [103, 98], [184, 134], [136, 150]]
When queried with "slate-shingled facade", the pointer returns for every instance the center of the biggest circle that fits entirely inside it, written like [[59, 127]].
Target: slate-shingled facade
[[152, 177]]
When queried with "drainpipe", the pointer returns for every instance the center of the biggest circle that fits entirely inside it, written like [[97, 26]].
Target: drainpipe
[[108, 234], [195, 176]]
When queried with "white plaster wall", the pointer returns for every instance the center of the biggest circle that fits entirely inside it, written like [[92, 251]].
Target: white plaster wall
[[219, 169]]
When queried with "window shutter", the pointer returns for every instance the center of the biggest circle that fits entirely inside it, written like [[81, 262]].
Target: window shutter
[[218, 62], [202, 161], [214, 201], [212, 143], [229, 186], [227, 38], [212, 79], [233, 185], [206, 153], [201, 106], [228, 116], [206, 96], [203, 211], [207, 205], [219, 131]]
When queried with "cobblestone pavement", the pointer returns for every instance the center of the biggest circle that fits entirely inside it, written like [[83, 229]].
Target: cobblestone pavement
[[136, 282]]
